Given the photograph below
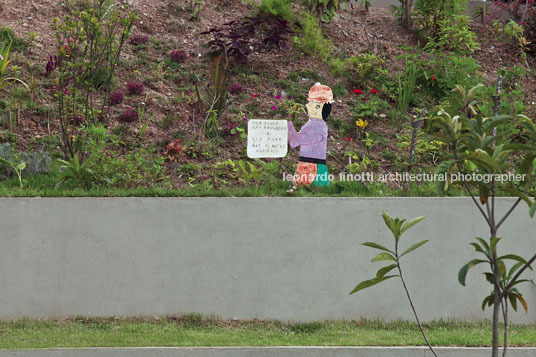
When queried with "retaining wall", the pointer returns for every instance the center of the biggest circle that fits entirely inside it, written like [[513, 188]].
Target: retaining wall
[[269, 258]]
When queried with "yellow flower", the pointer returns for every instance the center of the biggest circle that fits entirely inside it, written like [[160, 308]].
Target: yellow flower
[[361, 123]]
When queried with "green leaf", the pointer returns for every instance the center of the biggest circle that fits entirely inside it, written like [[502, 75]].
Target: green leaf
[[462, 274], [532, 210], [488, 300], [441, 170], [493, 244], [513, 302], [472, 91], [411, 223], [481, 157], [76, 163], [519, 282], [21, 166], [377, 246], [527, 165], [388, 222], [484, 243], [413, 247], [514, 268], [519, 194], [384, 257], [490, 278], [502, 268], [513, 257], [478, 248], [368, 283], [528, 124], [385, 270]]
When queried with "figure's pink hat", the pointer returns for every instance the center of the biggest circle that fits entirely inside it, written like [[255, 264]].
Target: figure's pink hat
[[320, 94]]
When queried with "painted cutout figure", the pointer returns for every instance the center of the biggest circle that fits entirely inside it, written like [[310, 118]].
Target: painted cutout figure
[[312, 139]]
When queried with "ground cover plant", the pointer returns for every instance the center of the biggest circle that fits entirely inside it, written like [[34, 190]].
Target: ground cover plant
[[195, 330], [117, 85]]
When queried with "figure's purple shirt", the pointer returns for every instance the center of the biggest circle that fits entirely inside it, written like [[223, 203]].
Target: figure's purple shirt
[[312, 138]]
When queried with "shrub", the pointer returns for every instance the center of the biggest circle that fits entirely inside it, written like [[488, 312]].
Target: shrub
[[431, 13], [141, 167], [259, 34], [369, 107], [7, 35], [91, 42], [326, 9], [362, 71], [135, 88], [235, 88], [52, 64], [138, 39], [129, 115], [7, 153], [37, 162], [524, 14], [441, 72], [214, 98], [454, 35], [277, 8], [178, 56], [174, 147], [311, 39], [116, 98]]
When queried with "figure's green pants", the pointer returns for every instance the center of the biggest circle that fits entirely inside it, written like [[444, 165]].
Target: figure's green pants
[[322, 176]]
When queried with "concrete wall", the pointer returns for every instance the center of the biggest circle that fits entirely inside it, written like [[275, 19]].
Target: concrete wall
[[266, 258]]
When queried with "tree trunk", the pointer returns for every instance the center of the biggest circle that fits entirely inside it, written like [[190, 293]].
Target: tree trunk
[[497, 298], [496, 308], [416, 126], [408, 7], [506, 325]]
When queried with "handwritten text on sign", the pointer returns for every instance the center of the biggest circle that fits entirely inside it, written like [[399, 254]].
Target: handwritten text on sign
[[267, 138]]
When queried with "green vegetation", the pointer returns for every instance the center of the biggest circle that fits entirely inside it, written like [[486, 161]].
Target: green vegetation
[[46, 186], [311, 39], [279, 8], [193, 330], [475, 148], [18, 44], [150, 113]]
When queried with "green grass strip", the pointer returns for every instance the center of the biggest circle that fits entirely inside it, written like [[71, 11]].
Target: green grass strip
[[193, 330]]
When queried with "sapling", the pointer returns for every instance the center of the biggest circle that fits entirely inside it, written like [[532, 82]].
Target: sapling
[[474, 149], [397, 227]]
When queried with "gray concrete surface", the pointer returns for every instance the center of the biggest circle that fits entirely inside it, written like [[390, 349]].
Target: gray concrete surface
[[266, 352], [290, 259]]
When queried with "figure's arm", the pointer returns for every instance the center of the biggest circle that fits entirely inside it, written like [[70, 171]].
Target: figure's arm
[[296, 139]]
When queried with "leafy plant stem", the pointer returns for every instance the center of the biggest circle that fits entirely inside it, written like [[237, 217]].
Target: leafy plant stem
[[496, 306], [411, 301], [515, 204], [523, 268], [504, 307], [466, 185]]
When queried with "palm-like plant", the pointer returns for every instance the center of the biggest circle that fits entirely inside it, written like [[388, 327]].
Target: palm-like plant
[[75, 172]]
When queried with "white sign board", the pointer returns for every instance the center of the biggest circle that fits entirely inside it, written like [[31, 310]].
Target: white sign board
[[267, 138]]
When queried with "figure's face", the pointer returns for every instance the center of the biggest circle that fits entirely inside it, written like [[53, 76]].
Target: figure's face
[[314, 110]]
